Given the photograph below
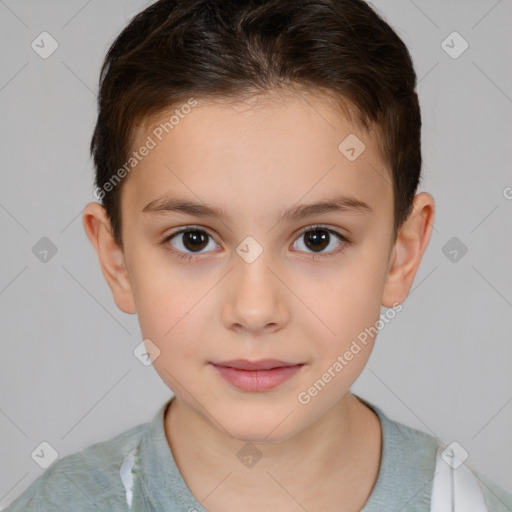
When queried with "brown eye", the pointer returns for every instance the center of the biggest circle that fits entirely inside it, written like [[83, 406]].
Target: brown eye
[[189, 241], [318, 239], [319, 242], [194, 240]]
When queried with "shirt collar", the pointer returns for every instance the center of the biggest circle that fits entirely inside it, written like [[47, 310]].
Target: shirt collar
[[407, 462]]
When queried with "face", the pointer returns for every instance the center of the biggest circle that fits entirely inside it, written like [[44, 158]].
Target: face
[[255, 283]]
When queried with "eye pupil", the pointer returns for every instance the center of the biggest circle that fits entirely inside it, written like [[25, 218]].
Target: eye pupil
[[197, 239], [318, 241]]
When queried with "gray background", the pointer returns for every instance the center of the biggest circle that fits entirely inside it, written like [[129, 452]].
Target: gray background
[[67, 372]]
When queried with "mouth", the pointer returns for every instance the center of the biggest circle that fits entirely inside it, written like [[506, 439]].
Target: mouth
[[253, 376]]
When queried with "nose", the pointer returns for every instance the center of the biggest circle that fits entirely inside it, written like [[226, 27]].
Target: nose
[[256, 296]]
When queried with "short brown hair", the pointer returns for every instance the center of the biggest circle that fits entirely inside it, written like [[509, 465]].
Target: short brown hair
[[176, 49]]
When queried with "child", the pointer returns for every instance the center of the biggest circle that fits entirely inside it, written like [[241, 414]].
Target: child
[[257, 163]]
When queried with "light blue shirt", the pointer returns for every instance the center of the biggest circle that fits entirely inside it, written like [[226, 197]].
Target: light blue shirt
[[135, 471]]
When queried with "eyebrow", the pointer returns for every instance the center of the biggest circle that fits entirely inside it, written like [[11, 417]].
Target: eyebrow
[[338, 204]]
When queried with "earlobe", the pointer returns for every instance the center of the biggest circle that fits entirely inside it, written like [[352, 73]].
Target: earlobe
[[110, 255], [410, 245]]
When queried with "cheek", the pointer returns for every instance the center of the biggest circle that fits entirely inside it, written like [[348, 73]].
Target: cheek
[[170, 321], [174, 311], [347, 305], [161, 299]]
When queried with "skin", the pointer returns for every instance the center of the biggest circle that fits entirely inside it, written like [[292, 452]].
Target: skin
[[254, 158]]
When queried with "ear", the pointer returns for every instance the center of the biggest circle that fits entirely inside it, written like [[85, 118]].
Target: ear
[[111, 256], [411, 242]]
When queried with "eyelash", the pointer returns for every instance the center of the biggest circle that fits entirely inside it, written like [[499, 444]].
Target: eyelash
[[189, 256]]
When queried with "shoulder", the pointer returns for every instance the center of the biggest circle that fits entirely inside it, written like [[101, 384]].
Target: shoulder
[[408, 458], [408, 448], [83, 481], [411, 456], [496, 498]]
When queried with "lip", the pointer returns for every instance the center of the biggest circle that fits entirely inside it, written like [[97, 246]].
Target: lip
[[260, 375], [262, 364]]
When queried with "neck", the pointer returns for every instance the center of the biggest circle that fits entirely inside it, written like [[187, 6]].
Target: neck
[[341, 445]]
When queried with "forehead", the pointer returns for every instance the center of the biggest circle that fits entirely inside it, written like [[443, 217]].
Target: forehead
[[255, 155]]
